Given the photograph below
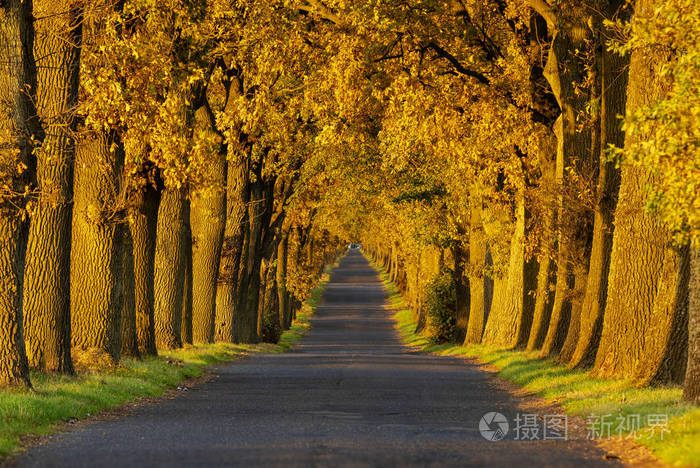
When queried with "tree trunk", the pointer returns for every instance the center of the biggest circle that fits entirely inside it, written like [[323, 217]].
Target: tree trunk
[[14, 370], [547, 271], [509, 321], [269, 303], [169, 270], [563, 71], [187, 282], [259, 216], [477, 263], [281, 279], [645, 330], [17, 112], [47, 271], [544, 300], [691, 388], [461, 257], [207, 218], [562, 305], [97, 251], [237, 196], [143, 220], [613, 72], [129, 340]]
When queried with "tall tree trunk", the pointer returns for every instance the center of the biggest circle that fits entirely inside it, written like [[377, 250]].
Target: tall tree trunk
[[143, 221], [97, 251], [691, 387], [237, 196], [249, 294], [17, 120], [186, 333], [645, 330], [281, 279], [544, 299], [477, 263], [564, 70], [129, 339], [461, 257], [47, 272], [269, 304], [207, 218], [14, 370], [546, 277], [562, 305], [613, 72], [169, 272], [509, 322]]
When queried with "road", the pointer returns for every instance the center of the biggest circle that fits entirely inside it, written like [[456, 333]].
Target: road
[[350, 394]]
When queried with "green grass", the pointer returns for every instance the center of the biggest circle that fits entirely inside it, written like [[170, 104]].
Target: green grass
[[56, 398], [576, 391]]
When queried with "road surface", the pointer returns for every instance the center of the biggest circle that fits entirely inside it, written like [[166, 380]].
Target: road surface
[[349, 395]]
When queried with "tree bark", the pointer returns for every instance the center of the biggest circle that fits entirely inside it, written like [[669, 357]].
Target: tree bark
[[97, 251], [207, 218], [509, 322], [129, 339], [143, 220], [169, 271], [691, 387], [281, 279], [461, 257], [237, 196], [613, 87], [47, 271], [544, 300], [645, 330], [186, 333], [563, 71], [249, 286], [18, 119], [270, 304], [477, 263]]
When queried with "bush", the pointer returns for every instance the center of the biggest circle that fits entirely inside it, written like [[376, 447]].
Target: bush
[[271, 329], [440, 308]]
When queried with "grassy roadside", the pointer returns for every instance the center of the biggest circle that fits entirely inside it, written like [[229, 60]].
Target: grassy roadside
[[58, 399], [577, 392]]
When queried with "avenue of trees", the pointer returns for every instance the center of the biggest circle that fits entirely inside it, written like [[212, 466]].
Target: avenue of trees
[[179, 171]]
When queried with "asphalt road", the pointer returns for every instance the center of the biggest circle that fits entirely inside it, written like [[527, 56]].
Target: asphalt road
[[349, 395]]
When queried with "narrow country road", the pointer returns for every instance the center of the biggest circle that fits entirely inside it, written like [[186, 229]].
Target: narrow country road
[[349, 395]]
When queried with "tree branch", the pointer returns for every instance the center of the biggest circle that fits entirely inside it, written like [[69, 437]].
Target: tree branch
[[316, 6], [456, 64], [546, 11]]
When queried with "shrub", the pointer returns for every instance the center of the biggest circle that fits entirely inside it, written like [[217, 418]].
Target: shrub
[[271, 329], [440, 307]]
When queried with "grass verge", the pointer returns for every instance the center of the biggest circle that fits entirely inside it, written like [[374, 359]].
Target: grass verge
[[578, 393], [59, 399]]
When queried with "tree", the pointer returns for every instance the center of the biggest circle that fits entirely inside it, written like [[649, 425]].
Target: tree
[[208, 208], [17, 128], [644, 328], [169, 271], [47, 272], [97, 249], [691, 388]]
